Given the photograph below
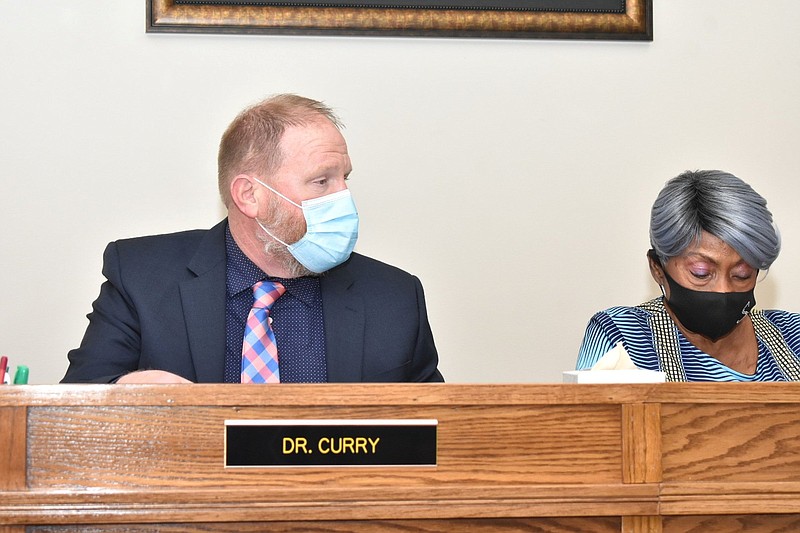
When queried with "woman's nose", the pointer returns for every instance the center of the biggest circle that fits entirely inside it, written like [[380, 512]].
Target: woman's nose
[[724, 285]]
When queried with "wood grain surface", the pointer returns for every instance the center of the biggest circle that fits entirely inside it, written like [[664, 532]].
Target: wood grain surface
[[633, 458], [531, 525], [13, 429]]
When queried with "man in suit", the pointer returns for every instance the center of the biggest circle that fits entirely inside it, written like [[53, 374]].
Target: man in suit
[[175, 308]]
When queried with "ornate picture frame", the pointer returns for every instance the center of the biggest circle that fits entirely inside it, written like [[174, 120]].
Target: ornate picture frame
[[509, 19]]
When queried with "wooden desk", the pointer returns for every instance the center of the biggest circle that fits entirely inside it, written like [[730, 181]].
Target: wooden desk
[[551, 458]]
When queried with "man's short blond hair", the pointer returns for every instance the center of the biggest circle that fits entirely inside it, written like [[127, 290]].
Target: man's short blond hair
[[251, 143]]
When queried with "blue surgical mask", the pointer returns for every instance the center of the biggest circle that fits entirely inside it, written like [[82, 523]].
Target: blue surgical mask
[[331, 230]]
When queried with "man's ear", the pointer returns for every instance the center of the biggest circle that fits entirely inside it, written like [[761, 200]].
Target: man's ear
[[244, 195]]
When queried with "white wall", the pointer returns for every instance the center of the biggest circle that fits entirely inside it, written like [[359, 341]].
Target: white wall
[[514, 177]]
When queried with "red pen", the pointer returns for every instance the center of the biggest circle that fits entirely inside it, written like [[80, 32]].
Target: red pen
[[3, 366]]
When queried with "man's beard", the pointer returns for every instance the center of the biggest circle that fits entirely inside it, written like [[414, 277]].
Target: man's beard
[[284, 223]]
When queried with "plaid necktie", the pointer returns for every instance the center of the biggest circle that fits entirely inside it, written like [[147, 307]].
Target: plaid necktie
[[259, 350]]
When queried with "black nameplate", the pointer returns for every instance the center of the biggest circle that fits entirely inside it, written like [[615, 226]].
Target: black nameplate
[[284, 443]]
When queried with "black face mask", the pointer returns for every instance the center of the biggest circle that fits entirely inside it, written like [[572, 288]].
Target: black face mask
[[711, 314]]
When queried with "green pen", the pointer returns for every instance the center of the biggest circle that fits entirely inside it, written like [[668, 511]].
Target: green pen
[[21, 377]]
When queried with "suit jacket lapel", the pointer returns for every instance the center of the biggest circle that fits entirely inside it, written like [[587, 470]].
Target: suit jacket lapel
[[203, 299], [343, 314]]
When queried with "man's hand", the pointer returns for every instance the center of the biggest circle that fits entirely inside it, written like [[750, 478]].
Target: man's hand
[[152, 376]]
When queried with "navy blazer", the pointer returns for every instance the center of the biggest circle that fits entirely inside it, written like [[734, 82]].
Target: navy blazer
[[162, 307]]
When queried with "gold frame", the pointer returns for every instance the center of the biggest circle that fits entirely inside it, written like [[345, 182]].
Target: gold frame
[[636, 23]]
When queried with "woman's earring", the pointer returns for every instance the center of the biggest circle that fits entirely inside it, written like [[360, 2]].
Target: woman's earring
[[662, 291]]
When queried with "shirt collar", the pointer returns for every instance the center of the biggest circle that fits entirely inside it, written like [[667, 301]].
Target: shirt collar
[[242, 274]]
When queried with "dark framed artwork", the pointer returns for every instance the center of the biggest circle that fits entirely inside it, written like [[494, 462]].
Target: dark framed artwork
[[510, 19]]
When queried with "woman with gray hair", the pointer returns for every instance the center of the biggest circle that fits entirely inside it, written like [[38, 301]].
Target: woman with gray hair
[[711, 234]]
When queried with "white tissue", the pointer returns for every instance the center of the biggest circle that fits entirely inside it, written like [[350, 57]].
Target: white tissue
[[616, 358], [614, 367]]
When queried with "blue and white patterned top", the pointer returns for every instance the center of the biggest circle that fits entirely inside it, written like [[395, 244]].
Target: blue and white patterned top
[[630, 325]]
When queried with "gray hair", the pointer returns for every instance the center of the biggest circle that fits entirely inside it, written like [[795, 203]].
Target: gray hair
[[719, 203]]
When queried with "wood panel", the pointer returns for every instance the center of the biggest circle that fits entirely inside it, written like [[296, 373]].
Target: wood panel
[[363, 394], [700, 498], [641, 524], [757, 523], [731, 442], [530, 525], [641, 443], [182, 446], [13, 429], [633, 458]]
